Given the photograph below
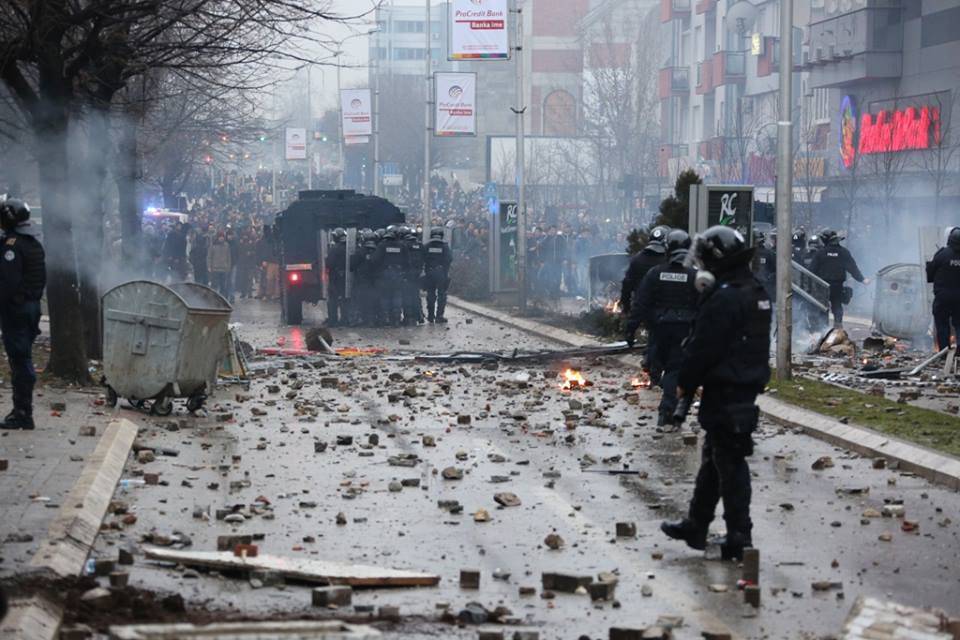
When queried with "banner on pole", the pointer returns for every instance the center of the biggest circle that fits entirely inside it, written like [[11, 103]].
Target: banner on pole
[[355, 112], [455, 104], [478, 30], [296, 144]]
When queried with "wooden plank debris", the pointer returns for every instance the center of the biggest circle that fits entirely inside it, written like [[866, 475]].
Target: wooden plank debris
[[295, 630], [306, 570]]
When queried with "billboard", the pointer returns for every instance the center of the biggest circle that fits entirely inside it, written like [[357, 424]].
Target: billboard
[[455, 104], [355, 112], [478, 30], [296, 144]]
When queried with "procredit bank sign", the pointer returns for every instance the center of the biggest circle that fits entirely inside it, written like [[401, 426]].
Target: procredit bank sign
[[912, 128], [478, 30]]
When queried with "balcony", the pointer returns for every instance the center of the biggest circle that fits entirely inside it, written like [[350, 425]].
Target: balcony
[[705, 77], [670, 152], [867, 43], [674, 10], [729, 67], [705, 6], [674, 81]]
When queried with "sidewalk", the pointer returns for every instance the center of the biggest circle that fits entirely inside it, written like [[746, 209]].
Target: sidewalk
[[930, 465]]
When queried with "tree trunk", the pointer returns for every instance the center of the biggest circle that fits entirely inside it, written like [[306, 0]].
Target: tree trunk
[[90, 234], [126, 173], [67, 357]]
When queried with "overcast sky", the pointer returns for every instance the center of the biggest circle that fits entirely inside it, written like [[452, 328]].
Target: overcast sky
[[355, 57]]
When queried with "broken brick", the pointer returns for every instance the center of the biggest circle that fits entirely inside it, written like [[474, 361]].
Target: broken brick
[[339, 596]]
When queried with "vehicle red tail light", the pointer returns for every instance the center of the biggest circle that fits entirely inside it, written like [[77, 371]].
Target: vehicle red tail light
[[294, 277]]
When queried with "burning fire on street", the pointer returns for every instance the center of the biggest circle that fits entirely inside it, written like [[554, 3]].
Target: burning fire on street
[[613, 306], [573, 380], [642, 382]]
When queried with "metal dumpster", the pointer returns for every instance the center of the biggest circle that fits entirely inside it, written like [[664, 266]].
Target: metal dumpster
[[899, 308], [162, 342]]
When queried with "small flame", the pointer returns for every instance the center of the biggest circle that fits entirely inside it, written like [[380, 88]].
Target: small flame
[[641, 382], [613, 306], [572, 379]]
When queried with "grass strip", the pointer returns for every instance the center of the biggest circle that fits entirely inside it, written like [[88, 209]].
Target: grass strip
[[928, 428]]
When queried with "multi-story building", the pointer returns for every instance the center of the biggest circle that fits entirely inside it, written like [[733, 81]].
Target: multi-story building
[[874, 88]]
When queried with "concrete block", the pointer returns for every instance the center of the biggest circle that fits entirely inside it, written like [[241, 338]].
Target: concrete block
[[564, 583], [622, 633], [229, 543], [469, 579], [601, 590], [751, 566], [339, 596], [751, 595], [490, 634], [626, 529]]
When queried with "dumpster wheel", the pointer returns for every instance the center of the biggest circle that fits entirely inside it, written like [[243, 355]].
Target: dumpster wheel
[[195, 403], [162, 406]]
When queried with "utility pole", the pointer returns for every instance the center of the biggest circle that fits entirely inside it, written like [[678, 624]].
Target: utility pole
[[343, 167], [785, 196], [307, 129], [519, 112], [426, 130], [377, 179]]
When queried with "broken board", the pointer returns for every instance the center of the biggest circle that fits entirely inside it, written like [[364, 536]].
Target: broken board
[[296, 630], [306, 570]]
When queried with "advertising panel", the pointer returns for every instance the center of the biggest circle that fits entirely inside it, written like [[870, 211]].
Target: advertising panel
[[356, 113], [455, 104], [478, 30], [296, 144]]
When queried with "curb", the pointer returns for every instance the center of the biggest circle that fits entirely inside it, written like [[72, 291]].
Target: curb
[[933, 466], [72, 533]]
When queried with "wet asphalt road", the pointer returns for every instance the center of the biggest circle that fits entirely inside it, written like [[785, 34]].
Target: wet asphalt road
[[806, 527]]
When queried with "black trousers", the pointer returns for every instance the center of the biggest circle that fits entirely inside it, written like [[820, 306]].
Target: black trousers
[[946, 311], [20, 323], [836, 302], [670, 336], [436, 282]]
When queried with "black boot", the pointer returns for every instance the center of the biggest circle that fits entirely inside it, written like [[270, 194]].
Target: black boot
[[687, 530], [733, 544], [441, 320], [18, 419]]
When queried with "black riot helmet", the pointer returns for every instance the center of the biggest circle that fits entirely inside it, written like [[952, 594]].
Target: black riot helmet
[[829, 237], [658, 235], [720, 249], [953, 240], [799, 239], [677, 240], [13, 212], [436, 233], [339, 235]]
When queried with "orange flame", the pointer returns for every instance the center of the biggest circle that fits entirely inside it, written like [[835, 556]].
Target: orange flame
[[641, 382], [613, 306], [572, 379]]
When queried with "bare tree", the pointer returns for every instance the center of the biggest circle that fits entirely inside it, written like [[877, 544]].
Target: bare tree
[[938, 161]]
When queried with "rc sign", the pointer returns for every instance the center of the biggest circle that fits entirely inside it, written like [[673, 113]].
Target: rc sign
[[478, 30], [456, 104]]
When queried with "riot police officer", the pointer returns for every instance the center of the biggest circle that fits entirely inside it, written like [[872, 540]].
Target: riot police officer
[[765, 265], [337, 279], [832, 263], [412, 305], [667, 302], [944, 272], [365, 279], [390, 261], [437, 258], [23, 276], [727, 355], [653, 254]]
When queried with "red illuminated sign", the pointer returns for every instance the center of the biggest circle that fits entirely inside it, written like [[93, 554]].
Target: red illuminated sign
[[909, 129]]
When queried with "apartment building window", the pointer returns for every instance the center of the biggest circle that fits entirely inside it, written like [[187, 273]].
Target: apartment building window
[[821, 106], [406, 53], [409, 26]]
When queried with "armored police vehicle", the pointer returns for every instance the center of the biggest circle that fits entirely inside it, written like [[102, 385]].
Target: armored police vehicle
[[301, 236]]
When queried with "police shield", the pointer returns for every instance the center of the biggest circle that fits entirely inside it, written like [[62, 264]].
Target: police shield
[[323, 250], [351, 249]]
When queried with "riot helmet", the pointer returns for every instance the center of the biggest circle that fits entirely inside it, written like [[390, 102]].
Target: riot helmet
[[339, 235], [658, 235], [720, 249], [953, 240], [829, 236], [436, 233], [799, 239], [13, 213], [677, 240]]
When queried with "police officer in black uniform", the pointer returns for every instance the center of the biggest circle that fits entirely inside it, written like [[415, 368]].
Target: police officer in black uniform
[[666, 303], [944, 272], [436, 275], [727, 355], [390, 261], [655, 253], [832, 263], [412, 305], [23, 276], [337, 279], [765, 265], [365, 279]]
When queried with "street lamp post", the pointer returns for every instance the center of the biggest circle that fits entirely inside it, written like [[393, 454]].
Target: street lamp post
[[785, 195], [340, 159], [426, 129], [377, 179], [519, 111]]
